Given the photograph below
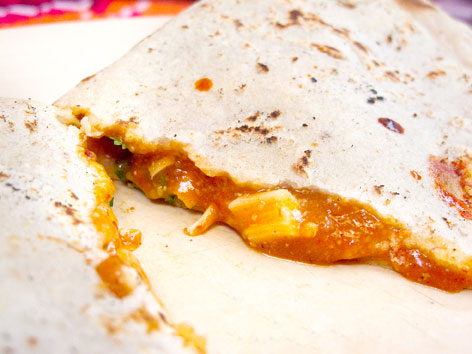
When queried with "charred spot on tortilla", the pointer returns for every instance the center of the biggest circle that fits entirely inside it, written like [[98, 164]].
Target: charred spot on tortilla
[[275, 114], [392, 76], [238, 23], [295, 15], [347, 3], [302, 163], [390, 124], [253, 117], [331, 51], [31, 125], [435, 74], [262, 68]]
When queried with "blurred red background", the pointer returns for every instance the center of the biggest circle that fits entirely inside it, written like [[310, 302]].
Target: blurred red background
[[24, 12]]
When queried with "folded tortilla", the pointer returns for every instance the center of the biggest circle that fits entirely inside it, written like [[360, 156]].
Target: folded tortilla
[[355, 114], [69, 285]]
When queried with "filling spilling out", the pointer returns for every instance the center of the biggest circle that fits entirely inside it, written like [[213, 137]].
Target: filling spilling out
[[296, 224]]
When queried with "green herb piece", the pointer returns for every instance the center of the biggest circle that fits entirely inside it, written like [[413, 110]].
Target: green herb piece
[[118, 142], [121, 175], [111, 202], [163, 180], [170, 199]]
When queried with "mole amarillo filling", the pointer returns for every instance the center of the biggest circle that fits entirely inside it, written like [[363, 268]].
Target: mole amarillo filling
[[296, 224]]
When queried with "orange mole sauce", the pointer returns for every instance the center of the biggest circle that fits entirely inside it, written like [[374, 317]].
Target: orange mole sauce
[[451, 183], [117, 243], [347, 229], [110, 271], [415, 175], [204, 84]]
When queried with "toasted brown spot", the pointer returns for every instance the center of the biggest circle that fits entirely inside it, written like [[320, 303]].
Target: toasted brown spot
[[415, 4], [275, 114], [390, 124], [253, 118], [68, 211], [241, 88], [262, 68], [294, 59], [271, 139], [32, 126], [184, 27], [88, 78], [2, 117], [150, 50], [361, 47], [238, 23], [258, 130], [244, 128], [294, 15], [73, 195], [347, 3], [331, 51], [261, 130], [293, 19], [215, 34], [435, 74], [392, 76], [303, 162], [15, 189], [32, 341], [379, 189], [3, 176]]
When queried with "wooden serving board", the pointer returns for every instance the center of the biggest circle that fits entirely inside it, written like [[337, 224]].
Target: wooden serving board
[[246, 302]]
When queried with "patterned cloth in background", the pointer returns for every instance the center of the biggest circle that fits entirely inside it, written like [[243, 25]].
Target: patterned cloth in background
[[18, 12]]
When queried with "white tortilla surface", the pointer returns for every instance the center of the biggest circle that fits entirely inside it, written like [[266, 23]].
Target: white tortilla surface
[[52, 299]]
